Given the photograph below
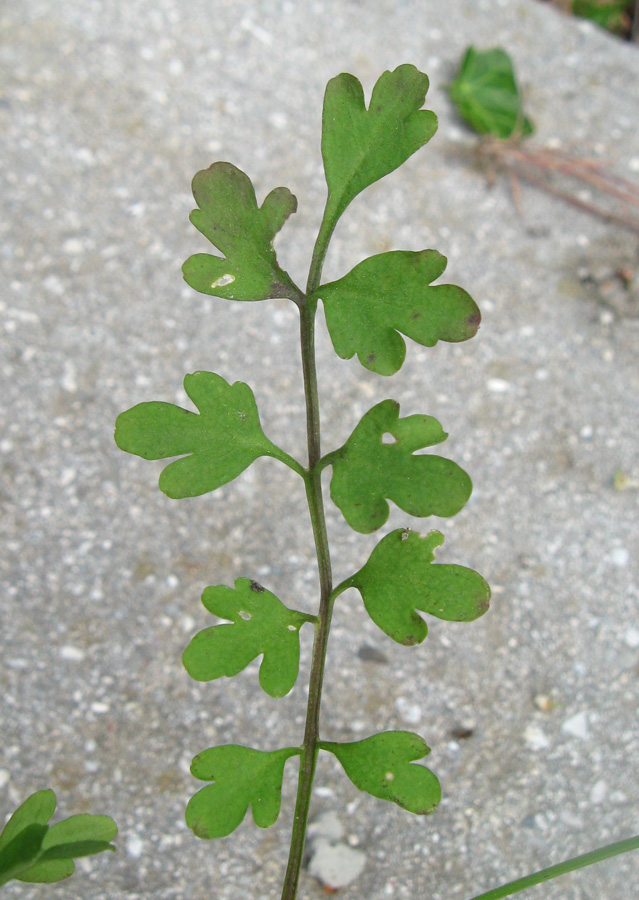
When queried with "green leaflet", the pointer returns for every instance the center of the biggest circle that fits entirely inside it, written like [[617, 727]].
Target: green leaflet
[[220, 442], [48, 871], [381, 765], [377, 462], [261, 624], [30, 851], [359, 145], [400, 578], [389, 293], [486, 94], [230, 218], [36, 810], [242, 777]]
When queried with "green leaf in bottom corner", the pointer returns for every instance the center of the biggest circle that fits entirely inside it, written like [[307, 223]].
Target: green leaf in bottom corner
[[19, 854], [378, 463], [382, 765], [242, 777], [486, 94], [36, 810], [391, 293], [215, 446], [261, 625], [400, 578], [81, 835]]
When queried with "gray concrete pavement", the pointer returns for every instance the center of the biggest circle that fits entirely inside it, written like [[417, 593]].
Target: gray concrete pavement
[[107, 110]]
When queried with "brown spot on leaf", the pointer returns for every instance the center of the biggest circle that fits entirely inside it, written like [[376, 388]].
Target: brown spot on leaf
[[255, 586], [474, 321]]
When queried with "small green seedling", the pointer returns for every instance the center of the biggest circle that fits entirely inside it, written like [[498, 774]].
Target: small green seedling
[[487, 96], [33, 851], [368, 311]]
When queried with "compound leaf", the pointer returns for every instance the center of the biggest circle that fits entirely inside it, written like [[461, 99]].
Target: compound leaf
[[389, 293], [261, 624], [486, 94], [229, 217], [400, 578], [368, 469], [220, 442], [381, 765], [359, 145], [242, 777]]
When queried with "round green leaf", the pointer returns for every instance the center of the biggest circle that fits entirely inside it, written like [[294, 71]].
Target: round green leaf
[[391, 293], [242, 777], [360, 145], [261, 625], [229, 217], [378, 463], [382, 765], [400, 578], [220, 442]]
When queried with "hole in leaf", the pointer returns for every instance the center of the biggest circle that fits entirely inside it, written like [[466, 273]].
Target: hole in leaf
[[245, 615], [292, 627], [388, 438], [390, 776], [223, 281]]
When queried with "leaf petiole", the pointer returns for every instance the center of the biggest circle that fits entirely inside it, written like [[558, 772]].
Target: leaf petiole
[[277, 453]]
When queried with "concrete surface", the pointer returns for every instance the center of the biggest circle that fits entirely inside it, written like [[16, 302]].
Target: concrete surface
[[107, 110]]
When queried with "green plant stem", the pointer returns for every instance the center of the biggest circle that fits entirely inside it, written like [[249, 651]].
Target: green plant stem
[[313, 482], [569, 865], [329, 221]]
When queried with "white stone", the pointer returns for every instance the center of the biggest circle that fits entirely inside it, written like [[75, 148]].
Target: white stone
[[536, 738], [336, 865], [327, 826], [497, 385], [577, 726], [322, 791], [73, 246], [409, 712], [631, 637], [599, 792], [620, 556], [73, 654], [135, 846]]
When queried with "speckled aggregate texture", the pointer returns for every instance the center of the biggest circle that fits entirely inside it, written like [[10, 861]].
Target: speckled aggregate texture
[[107, 109]]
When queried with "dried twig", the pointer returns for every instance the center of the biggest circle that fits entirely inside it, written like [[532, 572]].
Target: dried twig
[[542, 167]]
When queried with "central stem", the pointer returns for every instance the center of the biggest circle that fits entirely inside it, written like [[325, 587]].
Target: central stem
[[316, 508]]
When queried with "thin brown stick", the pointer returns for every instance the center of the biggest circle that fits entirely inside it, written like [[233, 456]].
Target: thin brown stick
[[534, 164]]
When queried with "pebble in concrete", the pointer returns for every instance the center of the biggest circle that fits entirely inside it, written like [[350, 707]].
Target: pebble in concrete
[[333, 862]]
